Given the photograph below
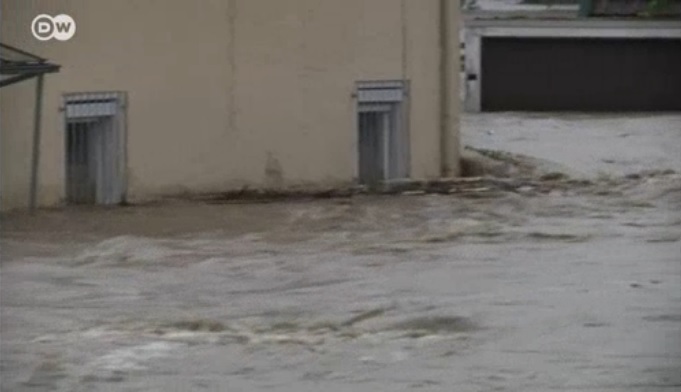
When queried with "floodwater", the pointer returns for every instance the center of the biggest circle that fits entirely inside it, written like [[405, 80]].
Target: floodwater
[[568, 289]]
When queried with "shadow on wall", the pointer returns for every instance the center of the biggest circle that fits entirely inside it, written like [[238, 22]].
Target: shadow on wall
[[274, 173]]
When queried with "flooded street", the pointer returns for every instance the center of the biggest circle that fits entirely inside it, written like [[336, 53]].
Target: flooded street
[[564, 289]]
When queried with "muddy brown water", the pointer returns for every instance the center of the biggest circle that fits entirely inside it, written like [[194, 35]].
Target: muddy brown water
[[573, 289]]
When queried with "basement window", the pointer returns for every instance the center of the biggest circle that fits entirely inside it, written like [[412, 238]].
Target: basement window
[[382, 132]]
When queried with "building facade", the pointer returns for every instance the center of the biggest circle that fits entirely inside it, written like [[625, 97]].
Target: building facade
[[571, 63], [159, 98]]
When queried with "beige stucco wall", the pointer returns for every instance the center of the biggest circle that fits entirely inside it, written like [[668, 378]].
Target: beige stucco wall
[[224, 93]]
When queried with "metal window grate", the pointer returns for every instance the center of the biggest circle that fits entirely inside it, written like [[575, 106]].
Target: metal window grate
[[95, 147], [382, 134]]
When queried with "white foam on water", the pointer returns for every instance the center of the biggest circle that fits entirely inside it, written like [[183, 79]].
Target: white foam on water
[[125, 249], [133, 358], [399, 356]]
